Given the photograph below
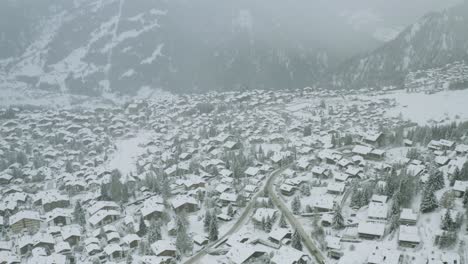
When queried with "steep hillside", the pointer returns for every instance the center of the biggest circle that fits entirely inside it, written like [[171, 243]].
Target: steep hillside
[[435, 40]]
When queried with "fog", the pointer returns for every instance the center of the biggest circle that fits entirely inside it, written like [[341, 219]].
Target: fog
[[212, 44]]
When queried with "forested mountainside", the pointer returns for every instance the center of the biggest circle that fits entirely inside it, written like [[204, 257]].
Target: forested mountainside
[[437, 39]]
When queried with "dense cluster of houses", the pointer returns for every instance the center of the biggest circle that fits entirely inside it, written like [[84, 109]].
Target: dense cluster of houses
[[62, 202]]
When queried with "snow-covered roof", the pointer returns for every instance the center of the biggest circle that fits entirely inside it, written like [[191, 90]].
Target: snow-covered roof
[[379, 198], [162, 245], [112, 248], [264, 213], [252, 171], [100, 215], [333, 242], [239, 253], [409, 234], [287, 255], [460, 186], [181, 200], [377, 210], [27, 214], [336, 187], [370, 228], [102, 204], [229, 197], [279, 233], [408, 214], [362, 150]]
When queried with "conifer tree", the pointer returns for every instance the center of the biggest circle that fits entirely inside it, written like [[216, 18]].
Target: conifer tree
[[282, 222], [296, 241], [448, 223], [184, 243], [207, 220], [213, 232], [79, 214], [154, 232], [142, 228], [296, 205], [338, 221], [268, 224], [429, 202]]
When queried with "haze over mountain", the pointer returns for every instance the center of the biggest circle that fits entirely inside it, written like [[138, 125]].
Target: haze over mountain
[[433, 41], [99, 46]]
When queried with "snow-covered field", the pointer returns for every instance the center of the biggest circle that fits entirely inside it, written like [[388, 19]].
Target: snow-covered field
[[128, 150], [422, 108]]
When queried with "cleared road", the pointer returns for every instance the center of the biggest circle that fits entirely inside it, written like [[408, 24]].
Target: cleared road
[[240, 222], [306, 240]]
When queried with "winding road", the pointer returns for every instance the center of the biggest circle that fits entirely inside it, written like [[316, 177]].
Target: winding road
[[245, 216], [306, 240]]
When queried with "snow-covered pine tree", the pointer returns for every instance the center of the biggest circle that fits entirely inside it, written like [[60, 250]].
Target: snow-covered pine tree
[[338, 221], [356, 198], [184, 243], [455, 176], [305, 190], [79, 214], [207, 220], [296, 205], [428, 202], [447, 223], [436, 179], [142, 229], [154, 232], [282, 222], [213, 232], [268, 224], [230, 211], [296, 241]]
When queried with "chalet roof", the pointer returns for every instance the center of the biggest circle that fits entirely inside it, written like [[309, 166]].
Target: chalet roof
[[102, 204], [287, 255], [460, 186], [27, 214], [100, 215], [333, 242], [181, 200], [336, 187], [160, 246], [252, 171], [377, 210], [239, 253], [71, 230], [325, 201], [379, 198], [362, 150], [131, 238], [151, 205], [263, 213], [279, 233], [286, 187], [112, 248], [369, 228], [229, 197], [409, 234]]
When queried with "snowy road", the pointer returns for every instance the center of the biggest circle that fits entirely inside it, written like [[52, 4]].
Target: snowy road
[[240, 222], [309, 244]]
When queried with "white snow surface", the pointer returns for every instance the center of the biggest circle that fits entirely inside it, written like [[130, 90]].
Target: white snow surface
[[128, 150], [424, 109]]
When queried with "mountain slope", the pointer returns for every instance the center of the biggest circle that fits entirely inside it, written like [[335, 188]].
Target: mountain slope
[[99, 46], [435, 40]]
